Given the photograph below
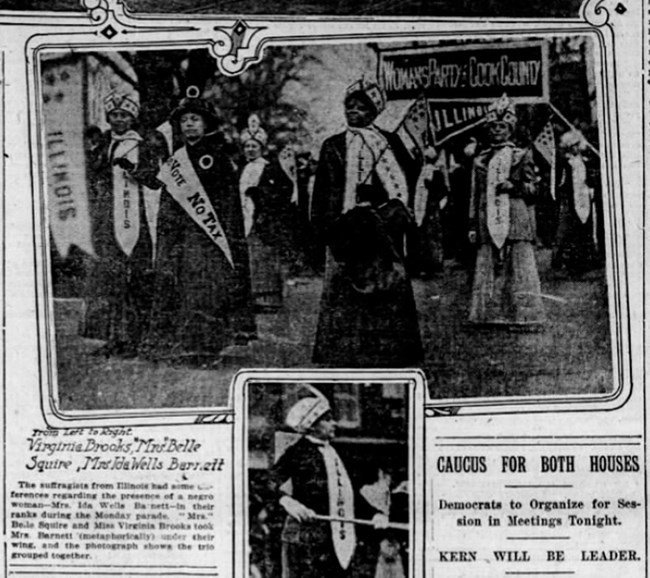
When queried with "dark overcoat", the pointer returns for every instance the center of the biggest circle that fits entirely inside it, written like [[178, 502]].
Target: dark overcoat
[[367, 313], [308, 550], [202, 303]]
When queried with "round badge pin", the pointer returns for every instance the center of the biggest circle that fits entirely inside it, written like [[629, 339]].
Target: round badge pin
[[206, 162]]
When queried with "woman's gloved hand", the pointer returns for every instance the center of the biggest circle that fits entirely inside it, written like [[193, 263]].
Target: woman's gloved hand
[[297, 510]]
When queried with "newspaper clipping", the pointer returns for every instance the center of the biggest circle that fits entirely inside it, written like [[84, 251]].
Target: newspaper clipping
[[324, 289]]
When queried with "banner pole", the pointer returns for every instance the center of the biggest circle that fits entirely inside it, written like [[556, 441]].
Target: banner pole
[[391, 525], [572, 127]]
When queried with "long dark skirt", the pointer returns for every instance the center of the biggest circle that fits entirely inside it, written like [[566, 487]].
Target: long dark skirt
[[266, 275], [356, 328], [574, 246], [201, 303]]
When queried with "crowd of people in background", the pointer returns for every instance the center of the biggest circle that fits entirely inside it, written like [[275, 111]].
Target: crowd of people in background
[[193, 239]]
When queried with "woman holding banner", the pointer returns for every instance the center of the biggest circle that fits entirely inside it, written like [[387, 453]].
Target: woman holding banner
[[203, 297], [321, 531], [506, 288], [367, 315]]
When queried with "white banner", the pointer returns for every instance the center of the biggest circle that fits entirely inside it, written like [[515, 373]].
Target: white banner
[[64, 157]]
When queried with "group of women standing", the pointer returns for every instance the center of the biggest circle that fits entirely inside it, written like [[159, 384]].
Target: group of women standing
[[218, 236], [223, 230]]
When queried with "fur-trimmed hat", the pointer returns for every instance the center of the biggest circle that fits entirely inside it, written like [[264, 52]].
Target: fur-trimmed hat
[[197, 106], [306, 412], [125, 102], [502, 110], [254, 131], [370, 91]]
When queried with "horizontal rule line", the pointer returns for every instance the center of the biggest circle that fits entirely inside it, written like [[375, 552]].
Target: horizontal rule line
[[538, 537], [548, 573], [586, 437], [537, 486], [540, 445], [150, 567], [120, 573]]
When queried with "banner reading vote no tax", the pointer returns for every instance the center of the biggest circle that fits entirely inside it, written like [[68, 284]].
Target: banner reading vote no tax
[[459, 82]]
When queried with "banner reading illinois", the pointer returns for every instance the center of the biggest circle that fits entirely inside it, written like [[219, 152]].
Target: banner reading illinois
[[64, 158]]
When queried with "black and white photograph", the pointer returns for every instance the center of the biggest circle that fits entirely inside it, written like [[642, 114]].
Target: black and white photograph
[[329, 478], [426, 204]]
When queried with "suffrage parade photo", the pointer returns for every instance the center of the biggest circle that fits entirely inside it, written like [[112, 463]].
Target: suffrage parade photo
[[440, 205], [329, 479]]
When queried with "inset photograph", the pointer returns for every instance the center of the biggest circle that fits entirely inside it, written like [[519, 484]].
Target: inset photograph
[[329, 479]]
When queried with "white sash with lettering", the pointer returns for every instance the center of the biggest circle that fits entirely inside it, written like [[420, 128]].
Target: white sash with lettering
[[151, 208], [287, 159], [367, 150], [152, 196], [126, 192], [250, 177], [422, 193], [341, 499], [581, 192], [183, 184], [498, 206]]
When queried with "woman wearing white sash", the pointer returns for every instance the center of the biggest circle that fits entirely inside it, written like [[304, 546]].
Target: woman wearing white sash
[[574, 247], [203, 297], [312, 481], [265, 192], [506, 288], [359, 212], [121, 166]]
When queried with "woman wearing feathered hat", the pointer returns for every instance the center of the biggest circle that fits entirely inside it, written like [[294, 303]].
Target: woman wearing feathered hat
[[265, 191], [121, 168], [361, 191], [203, 298], [312, 481], [506, 288]]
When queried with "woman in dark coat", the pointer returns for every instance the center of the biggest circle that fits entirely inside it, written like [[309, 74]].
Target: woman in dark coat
[[574, 246], [202, 297], [311, 480], [367, 314], [265, 192]]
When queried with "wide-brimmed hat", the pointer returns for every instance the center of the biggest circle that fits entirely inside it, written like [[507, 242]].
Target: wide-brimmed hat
[[306, 412], [197, 106], [125, 102], [370, 92], [502, 110]]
